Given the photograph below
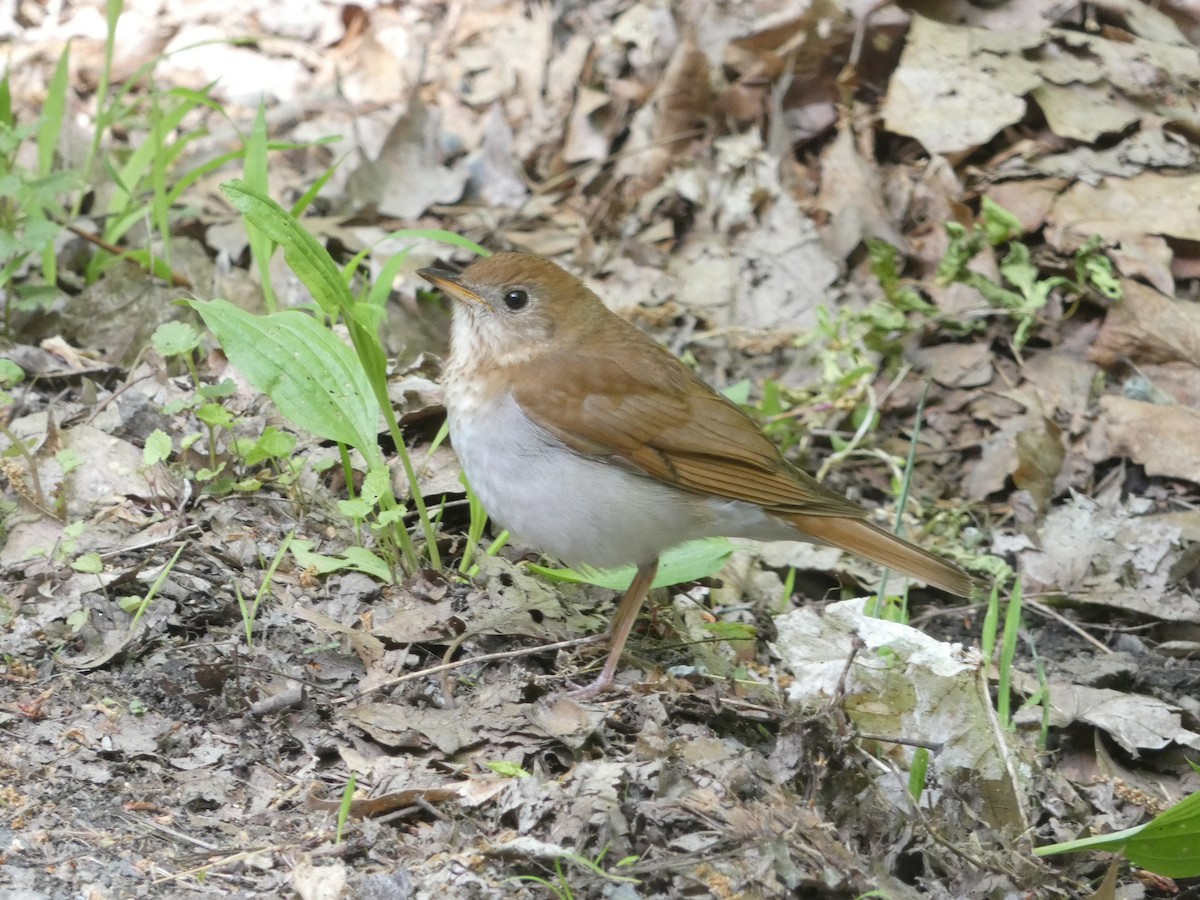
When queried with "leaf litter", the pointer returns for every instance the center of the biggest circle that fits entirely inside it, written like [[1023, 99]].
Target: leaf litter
[[714, 173]]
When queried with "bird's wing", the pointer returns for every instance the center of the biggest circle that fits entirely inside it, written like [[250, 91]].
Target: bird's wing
[[653, 416]]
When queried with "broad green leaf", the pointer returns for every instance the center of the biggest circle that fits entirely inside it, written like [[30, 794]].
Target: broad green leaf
[[1167, 845], [312, 376], [157, 449], [307, 258], [88, 563], [688, 562], [272, 444], [358, 559], [1170, 843]]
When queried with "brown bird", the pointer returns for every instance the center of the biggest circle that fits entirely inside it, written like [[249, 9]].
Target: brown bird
[[591, 442]]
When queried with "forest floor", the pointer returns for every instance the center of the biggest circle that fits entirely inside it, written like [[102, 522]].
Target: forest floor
[[970, 230]]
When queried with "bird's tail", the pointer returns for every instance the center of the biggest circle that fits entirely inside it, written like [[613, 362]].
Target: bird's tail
[[867, 540]]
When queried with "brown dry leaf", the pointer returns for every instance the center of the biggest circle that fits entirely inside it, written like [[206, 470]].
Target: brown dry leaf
[[957, 365], [587, 139], [756, 259], [512, 602], [1164, 439], [495, 173], [1148, 148], [957, 87], [1064, 384], [1014, 412], [1145, 326], [563, 719], [115, 471], [390, 802], [494, 713], [408, 619], [1134, 213], [1029, 200], [378, 63], [1040, 456], [677, 109], [852, 194], [1084, 112], [1177, 382]]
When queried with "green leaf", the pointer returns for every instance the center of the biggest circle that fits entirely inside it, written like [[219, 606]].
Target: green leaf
[[88, 563], [255, 169], [6, 113], [884, 260], [175, 338], [157, 449], [313, 377], [688, 562], [223, 388], [307, 258], [738, 392], [1170, 843], [1167, 845], [507, 769], [731, 631], [355, 508], [68, 459], [214, 415], [964, 246], [54, 113], [357, 559], [272, 444], [999, 225], [10, 373], [1094, 269]]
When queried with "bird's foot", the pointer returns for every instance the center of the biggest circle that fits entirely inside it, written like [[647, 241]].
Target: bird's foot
[[601, 685]]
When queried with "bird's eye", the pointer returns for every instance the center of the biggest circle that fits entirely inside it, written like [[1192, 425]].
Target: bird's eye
[[516, 299]]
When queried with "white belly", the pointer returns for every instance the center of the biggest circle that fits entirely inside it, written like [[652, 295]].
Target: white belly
[[579, 509]]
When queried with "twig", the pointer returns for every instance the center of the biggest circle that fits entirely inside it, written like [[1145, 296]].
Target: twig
[[470, 660], [1063, 620]]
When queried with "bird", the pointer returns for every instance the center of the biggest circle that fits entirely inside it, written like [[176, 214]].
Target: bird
[[592, 443]]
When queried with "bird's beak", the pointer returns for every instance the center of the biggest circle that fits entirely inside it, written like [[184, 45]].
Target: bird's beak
[[451, 283]]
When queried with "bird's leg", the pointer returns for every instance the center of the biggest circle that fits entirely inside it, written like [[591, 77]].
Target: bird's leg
[[622, 624]]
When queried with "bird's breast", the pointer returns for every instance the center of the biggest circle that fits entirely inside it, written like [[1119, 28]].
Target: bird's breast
[[574, 507]]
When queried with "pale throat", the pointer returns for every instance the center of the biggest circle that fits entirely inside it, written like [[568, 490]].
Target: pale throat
[[481, 343]]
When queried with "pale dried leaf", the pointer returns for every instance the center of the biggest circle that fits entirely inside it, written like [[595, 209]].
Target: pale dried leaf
[[1135, 721], [1164, 439], [957, 87], [903, 683], [408, 176], [1145, 326]]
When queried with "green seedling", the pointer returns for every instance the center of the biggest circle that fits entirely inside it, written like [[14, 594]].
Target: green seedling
[[1022, 293], [139, 605], [344, 807], [561, 887], [249, 611], [314, 379]]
